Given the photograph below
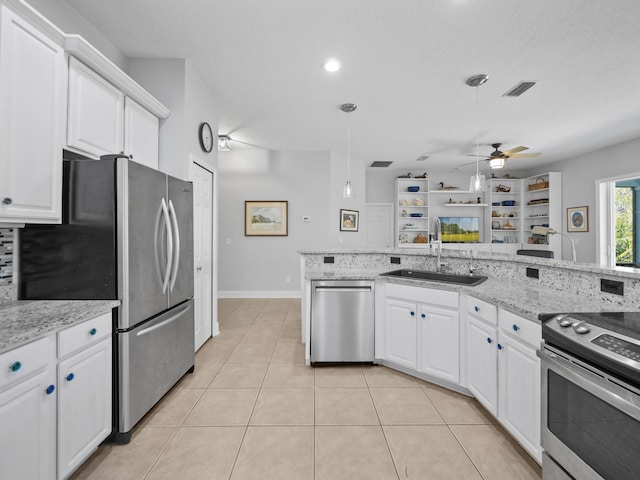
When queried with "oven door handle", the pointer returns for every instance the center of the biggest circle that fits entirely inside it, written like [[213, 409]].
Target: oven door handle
[[607, 388]]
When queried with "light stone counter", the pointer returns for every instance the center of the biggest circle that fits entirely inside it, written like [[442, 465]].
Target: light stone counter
[[27, 320], [561, 287]]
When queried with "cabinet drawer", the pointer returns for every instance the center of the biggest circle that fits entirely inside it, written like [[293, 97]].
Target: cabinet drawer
[[521, 328], [483, 310], [21, 362], [84, 334]]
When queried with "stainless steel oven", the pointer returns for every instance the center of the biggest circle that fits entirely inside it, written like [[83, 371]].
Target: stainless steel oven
[[591, 397]]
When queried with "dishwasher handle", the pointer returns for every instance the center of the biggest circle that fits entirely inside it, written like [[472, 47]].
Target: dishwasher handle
[[343, 289]]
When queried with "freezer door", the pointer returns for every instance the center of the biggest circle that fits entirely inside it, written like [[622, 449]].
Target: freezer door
[[181, 214], [144, 226], [151, 359]]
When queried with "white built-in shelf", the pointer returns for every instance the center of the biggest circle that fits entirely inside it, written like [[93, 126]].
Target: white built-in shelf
[[537, 191], [505, 218], [538, 205], [465, 205], [537, 216]]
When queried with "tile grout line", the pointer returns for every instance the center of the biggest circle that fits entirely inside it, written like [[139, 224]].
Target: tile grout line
[[384, 435]]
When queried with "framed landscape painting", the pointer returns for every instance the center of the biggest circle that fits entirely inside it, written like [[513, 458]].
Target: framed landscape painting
[[266, 218]]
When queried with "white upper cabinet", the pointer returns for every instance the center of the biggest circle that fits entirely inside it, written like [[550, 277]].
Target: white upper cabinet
[[32, 73], [140, 134], [95, 112]]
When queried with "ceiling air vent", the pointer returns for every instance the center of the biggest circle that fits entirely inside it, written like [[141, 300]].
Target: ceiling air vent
[[422, 158], [519, 89], [380, 164]]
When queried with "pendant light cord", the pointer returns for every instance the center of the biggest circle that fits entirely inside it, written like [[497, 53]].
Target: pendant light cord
[[477, 132], [348, 146]]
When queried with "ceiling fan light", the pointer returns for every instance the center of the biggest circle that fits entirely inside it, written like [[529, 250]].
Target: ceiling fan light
[[496, 162], [224, 144]]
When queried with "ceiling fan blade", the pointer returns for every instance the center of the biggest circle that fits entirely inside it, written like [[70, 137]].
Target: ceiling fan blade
[[524, 155], [510, 152], [481, 157]]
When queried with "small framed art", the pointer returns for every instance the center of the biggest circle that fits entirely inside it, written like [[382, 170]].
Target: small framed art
[[349, 220], [578, 219], [266, 218]]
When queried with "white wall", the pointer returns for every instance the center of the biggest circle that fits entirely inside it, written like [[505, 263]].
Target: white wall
[[179, 87], [578, 187], [336, 201], [67, 19], [252, 266]]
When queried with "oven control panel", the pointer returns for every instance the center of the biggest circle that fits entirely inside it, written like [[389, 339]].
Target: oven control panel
[[621, 347]]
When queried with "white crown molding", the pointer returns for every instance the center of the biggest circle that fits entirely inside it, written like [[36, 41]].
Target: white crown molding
[[27, 12], [79, 48]]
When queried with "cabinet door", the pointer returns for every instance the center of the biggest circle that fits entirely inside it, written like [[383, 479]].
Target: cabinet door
[[482, 363], [95, 112], [439, 343], [140, 134], [401, 333], [31, 95], [519, 393], [84, 405], [27, 423]]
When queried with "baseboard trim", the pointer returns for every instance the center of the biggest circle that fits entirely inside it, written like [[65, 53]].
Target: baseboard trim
[[267, 294]]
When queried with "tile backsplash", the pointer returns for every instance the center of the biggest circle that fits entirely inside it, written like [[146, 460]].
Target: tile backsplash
[[6, 256]]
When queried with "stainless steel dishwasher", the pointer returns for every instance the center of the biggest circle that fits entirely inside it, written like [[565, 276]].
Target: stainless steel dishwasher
[[342, 321]]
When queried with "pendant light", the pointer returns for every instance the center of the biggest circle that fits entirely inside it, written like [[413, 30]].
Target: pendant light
[[347, 191], [477, 183]]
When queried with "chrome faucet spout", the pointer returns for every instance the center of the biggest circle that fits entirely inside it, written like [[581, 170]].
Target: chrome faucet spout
[[438, 243]]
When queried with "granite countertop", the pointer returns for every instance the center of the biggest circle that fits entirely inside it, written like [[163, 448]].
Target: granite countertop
[[27, 320], [525, 300]]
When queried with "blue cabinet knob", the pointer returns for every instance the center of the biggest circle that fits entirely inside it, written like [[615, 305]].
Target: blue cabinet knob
[[15, 366], [476, 308], [70, 377], [515, 327], [423, 316], [413, 313], [499, 347], [93, 331], [50, 389], [489, 340]]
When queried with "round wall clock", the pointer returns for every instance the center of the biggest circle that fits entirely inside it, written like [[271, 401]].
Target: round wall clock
[[206, 137]]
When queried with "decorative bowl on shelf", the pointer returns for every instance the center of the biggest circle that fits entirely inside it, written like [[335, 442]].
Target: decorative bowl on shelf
[[508, 203], [415, 214], [495, 204], [413, 189]]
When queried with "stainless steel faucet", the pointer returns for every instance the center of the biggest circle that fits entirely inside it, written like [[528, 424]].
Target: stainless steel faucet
[[472, 267], [438, 244]]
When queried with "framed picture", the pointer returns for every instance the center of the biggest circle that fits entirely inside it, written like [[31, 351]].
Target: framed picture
[[578, 219], [495, 225], [349, 220], [267, 218]]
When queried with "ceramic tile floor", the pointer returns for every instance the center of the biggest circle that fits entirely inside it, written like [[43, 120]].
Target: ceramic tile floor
[[253, 410]]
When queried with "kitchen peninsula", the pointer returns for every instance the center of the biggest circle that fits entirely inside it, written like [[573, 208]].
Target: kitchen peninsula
[[479, 340]]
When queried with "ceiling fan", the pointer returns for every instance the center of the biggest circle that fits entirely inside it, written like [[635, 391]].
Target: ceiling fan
[[497, 159]]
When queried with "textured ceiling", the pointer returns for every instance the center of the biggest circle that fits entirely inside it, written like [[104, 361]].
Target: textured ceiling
[[404, 65]]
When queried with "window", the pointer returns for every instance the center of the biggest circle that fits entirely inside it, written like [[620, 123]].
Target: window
[[626, 212]]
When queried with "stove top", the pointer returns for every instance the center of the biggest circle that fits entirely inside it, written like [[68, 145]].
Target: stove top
[[609, 340]]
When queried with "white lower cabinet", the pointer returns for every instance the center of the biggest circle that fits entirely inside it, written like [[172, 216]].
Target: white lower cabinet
[[503, 372], [51, 423], [401, 332], [482, 364], [27, 426], [422, 330], [438, 337], [84, 405]]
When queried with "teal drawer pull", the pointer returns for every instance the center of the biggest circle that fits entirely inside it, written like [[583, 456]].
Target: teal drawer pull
[[15, 366]]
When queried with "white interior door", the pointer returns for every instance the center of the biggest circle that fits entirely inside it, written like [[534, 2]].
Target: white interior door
[[202, 253], [379, 225]]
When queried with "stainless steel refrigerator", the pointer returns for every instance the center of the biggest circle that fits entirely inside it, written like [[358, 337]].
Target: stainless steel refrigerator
[[127, 233]]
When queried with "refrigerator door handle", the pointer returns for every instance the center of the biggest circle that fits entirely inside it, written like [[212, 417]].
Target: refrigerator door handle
[[172, 318], [167, 225], [176, 260]]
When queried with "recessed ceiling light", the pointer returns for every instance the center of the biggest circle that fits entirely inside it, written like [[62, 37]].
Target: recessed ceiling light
[[331, 65]]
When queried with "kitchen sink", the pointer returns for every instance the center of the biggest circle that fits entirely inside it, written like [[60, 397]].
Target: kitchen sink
[[469, 280]]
